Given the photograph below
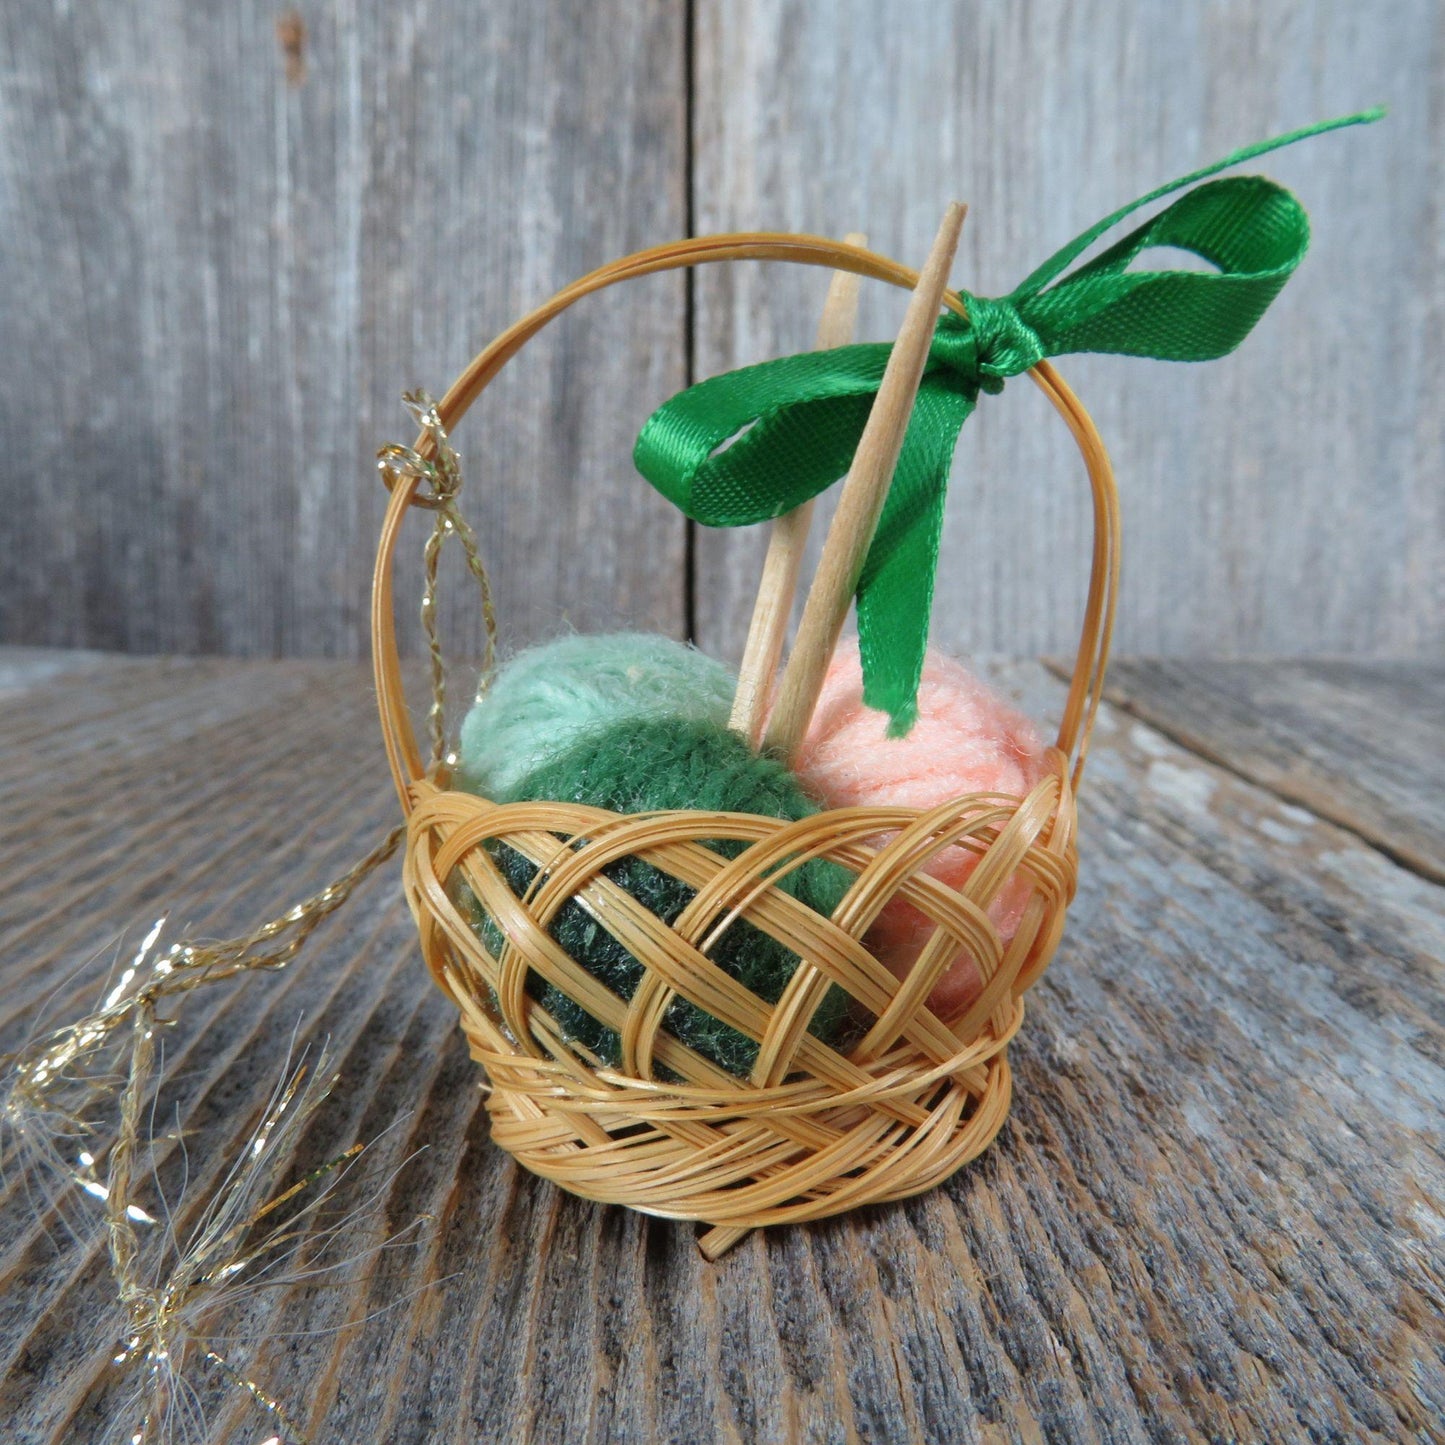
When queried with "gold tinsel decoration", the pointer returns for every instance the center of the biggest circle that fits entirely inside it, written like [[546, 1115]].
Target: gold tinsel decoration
[[76, 1102]]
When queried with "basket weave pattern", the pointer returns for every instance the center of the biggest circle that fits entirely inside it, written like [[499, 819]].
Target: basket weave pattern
[[812, 1131], [895, 1108]]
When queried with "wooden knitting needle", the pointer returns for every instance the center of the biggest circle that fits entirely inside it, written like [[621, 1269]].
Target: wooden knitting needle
[[789, 536], [861, 500]]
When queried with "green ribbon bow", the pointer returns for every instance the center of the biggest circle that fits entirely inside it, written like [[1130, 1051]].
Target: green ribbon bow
[[797, 420]]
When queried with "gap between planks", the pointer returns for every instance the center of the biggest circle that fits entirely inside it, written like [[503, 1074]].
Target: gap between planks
[[1410, 859]]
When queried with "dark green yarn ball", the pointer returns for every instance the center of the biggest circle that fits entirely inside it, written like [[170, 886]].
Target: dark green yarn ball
[[642, 766]]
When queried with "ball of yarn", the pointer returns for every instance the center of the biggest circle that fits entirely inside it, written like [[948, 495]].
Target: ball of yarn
[[550, 696], [639, 765], [966, 740]]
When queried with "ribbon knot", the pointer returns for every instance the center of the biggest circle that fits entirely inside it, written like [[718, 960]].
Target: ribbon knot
[[986, 347], [753, 444]]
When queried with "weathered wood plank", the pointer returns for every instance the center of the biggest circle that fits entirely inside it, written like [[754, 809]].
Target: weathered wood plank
[[22, 668], [1213, 1214], [232, 236], [1355, 742], [1284, 501]]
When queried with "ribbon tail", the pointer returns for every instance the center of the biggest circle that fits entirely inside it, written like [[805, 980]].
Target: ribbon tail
[[895, 590], [1062, 259]]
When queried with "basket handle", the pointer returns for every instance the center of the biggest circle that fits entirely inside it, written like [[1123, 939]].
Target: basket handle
[[1087, 683]]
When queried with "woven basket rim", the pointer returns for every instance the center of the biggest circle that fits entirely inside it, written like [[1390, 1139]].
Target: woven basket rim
[[886, 850]]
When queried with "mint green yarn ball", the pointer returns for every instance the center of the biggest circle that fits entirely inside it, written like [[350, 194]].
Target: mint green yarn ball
[[551, 696]]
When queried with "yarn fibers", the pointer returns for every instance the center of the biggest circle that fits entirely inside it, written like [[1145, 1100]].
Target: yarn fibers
[[637, 764], [635, 722], [966, 740], [550, 696]]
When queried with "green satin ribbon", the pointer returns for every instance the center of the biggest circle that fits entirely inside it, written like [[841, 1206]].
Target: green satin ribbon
[[796, 421]]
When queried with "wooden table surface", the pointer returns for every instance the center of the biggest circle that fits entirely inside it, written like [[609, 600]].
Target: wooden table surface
[[1216, 1212]]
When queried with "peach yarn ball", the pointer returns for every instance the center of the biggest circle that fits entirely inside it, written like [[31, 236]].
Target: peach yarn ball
[[966, 740]]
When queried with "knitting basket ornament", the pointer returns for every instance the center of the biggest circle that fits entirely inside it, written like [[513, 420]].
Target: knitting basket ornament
[[820, 1122]]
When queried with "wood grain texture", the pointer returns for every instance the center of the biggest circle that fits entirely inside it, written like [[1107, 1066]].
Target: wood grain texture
[[1358, 743], [232, 236], [1282, 501], [828, 598], [1215, 1213]]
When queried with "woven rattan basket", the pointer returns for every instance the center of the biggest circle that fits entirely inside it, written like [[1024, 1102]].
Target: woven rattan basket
[[813, 1131]]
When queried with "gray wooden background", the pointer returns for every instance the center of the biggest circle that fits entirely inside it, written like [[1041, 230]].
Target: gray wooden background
[[232, 234]]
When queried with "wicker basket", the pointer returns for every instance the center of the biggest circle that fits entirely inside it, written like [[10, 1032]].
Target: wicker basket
[[813, 1131]]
